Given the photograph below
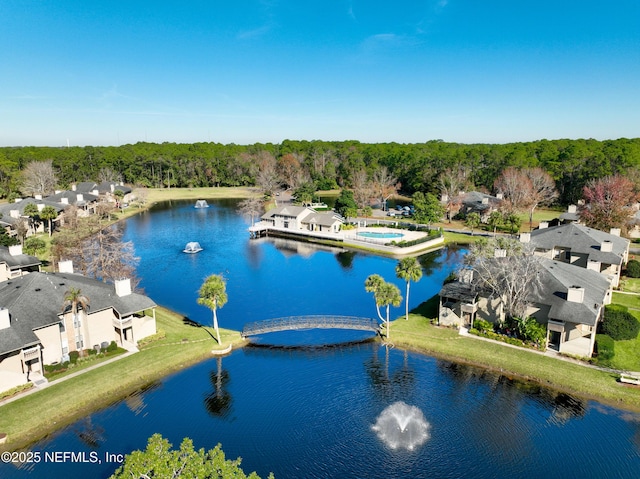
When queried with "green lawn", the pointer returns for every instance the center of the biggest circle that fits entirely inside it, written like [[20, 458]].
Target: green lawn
[[631, 301], [630, 285], [419, 335], [34, 416]]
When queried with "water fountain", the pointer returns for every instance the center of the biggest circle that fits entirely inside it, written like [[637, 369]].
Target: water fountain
[[401, 426]]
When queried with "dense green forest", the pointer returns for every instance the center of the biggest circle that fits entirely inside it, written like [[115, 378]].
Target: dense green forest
[[571, 163]]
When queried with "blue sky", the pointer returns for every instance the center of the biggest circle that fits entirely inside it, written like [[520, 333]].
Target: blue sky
[[246, 71]]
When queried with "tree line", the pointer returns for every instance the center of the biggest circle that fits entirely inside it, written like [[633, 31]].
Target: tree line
[[418, 167]]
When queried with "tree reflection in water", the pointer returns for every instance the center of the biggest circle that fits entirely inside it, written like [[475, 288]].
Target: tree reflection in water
[[390, 386], [218, 403]]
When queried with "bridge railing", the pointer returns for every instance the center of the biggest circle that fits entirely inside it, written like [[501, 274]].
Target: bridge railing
[[292, 323]]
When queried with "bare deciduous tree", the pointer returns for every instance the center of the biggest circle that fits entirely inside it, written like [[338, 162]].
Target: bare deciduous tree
[[543, 189], [451, 183], [107, 174], [384, 185], [39, 178], [252, 208], [507, 269], [361, 188], [267, 178], [516, 188]]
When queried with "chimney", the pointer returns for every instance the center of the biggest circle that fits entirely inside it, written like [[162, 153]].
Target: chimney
[[499, 196], [37, 197], [79, 197], [485, 200], [606, 246], [543, 225], [64, 200], [594, 265], [615, 232], [465, 276], [575, 294], [73, 187], [123, 287], [15, 250], [95, 192], [4, 318], [572, 209], [444, 197], [17, 200], [14, 213], [113, 187], [525, 237], [40, 206], [500, 253], [65, 266]]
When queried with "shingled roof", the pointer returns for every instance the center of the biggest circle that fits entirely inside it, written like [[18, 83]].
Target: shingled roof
[[35, 301], [557, 278], [581, 239]]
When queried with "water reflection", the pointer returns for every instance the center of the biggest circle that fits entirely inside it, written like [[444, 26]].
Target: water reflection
[[218, 402], [388, 385]]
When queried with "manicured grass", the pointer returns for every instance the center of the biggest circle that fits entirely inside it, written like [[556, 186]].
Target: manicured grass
[[631, 301], [34, 416], [419, 335], [163, 194], [630, 285]]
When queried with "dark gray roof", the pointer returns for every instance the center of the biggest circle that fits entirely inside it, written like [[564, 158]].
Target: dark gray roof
[[459, 291], [581, 239], [18, 261], [35, 300], [102, 188], [72, 197], [557, 278], [473, 199], [6, 208]]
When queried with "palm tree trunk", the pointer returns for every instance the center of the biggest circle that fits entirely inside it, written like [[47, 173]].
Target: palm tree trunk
[[406, 312], [215, 325], [387, 321]]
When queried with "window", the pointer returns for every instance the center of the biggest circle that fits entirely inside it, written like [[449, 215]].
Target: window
[[79, 342], [76, 321]]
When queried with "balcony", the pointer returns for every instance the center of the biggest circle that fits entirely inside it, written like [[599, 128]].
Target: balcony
[[31, 353], [123, 323]]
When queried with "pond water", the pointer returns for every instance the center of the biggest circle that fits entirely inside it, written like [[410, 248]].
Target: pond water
[[346, 411]]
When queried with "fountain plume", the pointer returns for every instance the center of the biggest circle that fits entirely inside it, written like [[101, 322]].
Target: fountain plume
[[401, 426]]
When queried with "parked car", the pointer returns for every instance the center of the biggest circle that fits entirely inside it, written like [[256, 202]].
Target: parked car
[[391, 213]]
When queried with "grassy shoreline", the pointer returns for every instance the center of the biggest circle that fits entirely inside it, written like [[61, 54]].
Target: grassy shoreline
[[62, 403]]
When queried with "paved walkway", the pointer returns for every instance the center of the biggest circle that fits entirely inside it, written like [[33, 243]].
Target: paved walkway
[[41, 383]]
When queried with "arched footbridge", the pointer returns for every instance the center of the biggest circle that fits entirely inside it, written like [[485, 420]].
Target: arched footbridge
[[293, 323]]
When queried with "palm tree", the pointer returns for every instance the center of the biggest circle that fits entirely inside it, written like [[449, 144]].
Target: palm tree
[[73, 301], [31, 210], [213, 295], [385, 294], [472, 221], [371, 285], [408, 269], [49, 213]]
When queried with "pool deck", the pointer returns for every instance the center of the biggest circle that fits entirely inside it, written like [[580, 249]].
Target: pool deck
[[350, 238]]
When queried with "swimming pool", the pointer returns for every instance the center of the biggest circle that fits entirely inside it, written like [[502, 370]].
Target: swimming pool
[[379, 235]]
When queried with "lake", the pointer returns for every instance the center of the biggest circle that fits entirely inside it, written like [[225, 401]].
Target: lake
[[352, 410]]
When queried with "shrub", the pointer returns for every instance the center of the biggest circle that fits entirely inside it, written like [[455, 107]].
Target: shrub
[[619, 323], [633, 268], [73, 356], [483, 325], [605, 348], [112, 347]]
